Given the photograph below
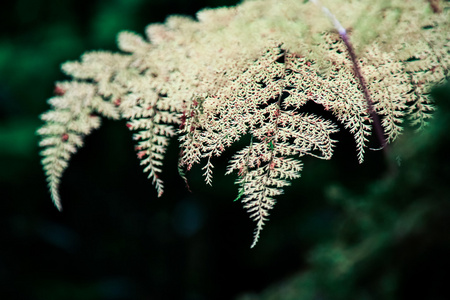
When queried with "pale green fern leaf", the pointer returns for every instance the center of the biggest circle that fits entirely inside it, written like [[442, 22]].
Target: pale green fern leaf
[[250, 71]]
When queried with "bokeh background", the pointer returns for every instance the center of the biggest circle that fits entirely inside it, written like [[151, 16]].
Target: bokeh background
[[343, 231]]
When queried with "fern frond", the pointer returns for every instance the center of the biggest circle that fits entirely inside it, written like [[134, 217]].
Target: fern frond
[[250, 70], [72, 118], [154, 138]]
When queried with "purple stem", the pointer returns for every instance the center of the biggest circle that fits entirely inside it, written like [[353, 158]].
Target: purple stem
[[376, 120], [392, 169]]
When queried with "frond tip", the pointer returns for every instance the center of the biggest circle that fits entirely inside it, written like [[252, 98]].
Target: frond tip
[[71, 119]]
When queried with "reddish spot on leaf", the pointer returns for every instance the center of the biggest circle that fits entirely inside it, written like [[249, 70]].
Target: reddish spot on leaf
[[183, 120], [141, 154], [272, 165], [241, 171], [59, 91], [277, 113], [117, 102], [129, 125], [64, 137]]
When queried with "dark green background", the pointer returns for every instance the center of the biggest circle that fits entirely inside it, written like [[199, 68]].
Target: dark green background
[[343, 231]]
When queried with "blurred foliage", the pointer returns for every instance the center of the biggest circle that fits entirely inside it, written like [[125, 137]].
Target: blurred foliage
[[343, 231]]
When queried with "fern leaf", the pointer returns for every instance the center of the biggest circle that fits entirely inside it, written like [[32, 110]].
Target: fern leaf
[[250, 71], [71, 119], [154, 139]]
